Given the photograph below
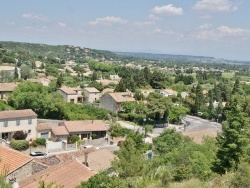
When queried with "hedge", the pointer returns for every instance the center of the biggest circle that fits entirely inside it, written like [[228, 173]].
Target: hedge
[[19, 144]]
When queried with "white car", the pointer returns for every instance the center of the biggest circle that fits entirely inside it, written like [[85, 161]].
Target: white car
[[90, 146]]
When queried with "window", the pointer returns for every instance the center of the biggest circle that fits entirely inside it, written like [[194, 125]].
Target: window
[[17, 122], [5, 123], [30, 120], [29, 131]]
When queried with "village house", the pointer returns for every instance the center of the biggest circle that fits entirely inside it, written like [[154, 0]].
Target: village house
[[168, 92], [114, 77], [68, 174], [91, 94], [43, 130], [10, 70], [84, 128], [113, 101], [5, 89], [73, 95], [17, 120], [14, 165]]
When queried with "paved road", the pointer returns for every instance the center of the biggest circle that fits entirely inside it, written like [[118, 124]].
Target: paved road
[[195, 123], [192, 123]]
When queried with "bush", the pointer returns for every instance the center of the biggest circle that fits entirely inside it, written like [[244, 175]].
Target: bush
[[74, 138], [19, 144], [20, 135], [41, 141]]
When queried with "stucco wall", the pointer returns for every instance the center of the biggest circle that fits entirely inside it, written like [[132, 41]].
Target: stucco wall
[[91, 97], [24, 126], [108, 103]]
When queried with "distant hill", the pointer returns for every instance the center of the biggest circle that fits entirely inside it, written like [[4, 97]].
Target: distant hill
[[60, 51]]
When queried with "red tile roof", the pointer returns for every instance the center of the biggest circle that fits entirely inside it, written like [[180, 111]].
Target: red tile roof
[[7, 86], [13, 114], [69, 175], [91, 90], [70, 91], [59, 130], [42, 127], [85, 125], [122, 97], [12, 159]]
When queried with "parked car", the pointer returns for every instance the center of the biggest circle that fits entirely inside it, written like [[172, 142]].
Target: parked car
[[90, 146], [37, 153]]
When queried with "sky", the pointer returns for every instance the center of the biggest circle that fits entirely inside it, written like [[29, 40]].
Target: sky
[[214, 28]]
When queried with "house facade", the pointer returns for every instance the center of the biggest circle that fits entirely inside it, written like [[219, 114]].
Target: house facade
[[113, 101], [5, 89], [73, 95], [17, 120], [91, 94]]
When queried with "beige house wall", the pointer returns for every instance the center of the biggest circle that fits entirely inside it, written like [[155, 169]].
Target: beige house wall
[[91, 97], [24, 126], [68, 98]]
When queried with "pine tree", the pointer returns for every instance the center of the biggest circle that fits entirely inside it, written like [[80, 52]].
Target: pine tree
[[232, 140], [59, 81]]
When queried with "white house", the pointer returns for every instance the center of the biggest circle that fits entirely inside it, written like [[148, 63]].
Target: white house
[[17, 120], [91, 94], [73, 95]]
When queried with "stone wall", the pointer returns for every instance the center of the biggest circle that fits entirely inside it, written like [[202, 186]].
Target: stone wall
[[108, 103], [21, 173]]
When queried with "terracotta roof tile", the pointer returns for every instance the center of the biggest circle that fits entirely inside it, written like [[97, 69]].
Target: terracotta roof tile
[[91, 90], [12, 159], [43, 126], [13, 114], [99, 160], [7, 86], [59, 130], [122, 97], [69, 174], [85, 125], [70, 91]]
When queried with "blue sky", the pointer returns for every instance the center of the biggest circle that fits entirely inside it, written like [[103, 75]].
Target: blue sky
[[218, 28]]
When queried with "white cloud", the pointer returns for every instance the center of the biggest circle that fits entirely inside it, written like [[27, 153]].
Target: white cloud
[[206, 32], [62, 24], [215, 5], [34, 16], [108, 20], [205, 26], [157, 30], [228, 31], [153, 17], [168, 9]]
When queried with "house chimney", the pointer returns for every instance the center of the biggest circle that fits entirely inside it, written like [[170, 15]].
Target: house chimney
[[86, 159]]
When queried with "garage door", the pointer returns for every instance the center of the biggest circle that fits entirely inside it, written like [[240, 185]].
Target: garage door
[[45, 135]]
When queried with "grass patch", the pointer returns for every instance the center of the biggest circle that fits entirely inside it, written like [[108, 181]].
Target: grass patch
[[228, 75]]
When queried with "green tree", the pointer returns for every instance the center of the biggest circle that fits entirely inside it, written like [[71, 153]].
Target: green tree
[[232, 140], [59, 81], [25, 71], [131, 162]]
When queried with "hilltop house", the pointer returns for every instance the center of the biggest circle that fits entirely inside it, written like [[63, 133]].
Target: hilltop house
[[91, 94], [168, 92], [113, 101], [6, 88], [73, 95], [17, 120]]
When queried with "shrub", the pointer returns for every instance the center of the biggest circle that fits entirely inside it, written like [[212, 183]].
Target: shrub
[[74, 138], [34, 143], [20, 135], [41, 141], [19, 144]]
